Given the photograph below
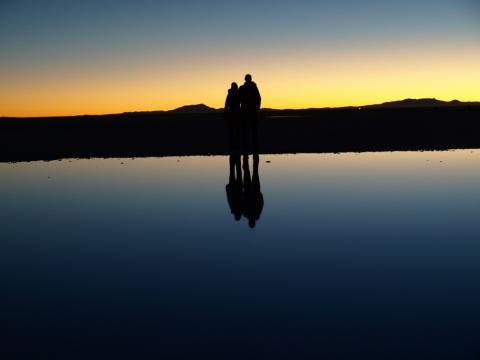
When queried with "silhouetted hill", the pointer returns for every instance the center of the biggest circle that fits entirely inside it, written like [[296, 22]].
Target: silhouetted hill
[[204, 109], [400, 104], [420, 103], [194, 109]]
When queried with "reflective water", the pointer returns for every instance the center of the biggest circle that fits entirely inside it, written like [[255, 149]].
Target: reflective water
[[351, 256]]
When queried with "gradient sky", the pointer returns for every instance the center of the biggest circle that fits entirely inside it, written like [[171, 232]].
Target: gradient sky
[[64, 57]]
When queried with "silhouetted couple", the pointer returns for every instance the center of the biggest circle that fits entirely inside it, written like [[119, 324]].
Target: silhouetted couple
[[244, 195], [241, 112]]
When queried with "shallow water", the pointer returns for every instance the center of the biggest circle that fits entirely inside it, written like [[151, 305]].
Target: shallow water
[[372, 255]]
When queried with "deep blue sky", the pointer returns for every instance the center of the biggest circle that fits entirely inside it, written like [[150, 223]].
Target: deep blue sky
[[53, 24]]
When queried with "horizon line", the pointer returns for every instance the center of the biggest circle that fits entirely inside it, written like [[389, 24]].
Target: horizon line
[[262, 109]]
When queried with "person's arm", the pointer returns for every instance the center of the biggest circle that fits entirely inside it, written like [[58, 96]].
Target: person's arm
[[259, 99], [240, 96], [227, 101]]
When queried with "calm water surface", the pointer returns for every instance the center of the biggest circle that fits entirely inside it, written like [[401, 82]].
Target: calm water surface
[[351, 256]]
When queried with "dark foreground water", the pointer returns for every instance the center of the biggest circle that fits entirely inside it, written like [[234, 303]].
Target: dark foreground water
[[354, 256]]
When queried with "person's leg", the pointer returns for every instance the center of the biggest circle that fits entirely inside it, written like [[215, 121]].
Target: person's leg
[[237, 134], [254, 121], [245, 133], [232, 169], [247, 179]]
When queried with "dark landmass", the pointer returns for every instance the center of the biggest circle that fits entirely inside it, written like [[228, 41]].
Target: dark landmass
[[200, 130], [194, 109], [420, 103]]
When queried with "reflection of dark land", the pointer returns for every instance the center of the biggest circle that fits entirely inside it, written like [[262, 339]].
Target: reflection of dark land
[[301, 131]]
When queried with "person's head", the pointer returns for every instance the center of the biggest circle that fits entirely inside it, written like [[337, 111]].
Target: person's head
[[248, 78], [234, 86]]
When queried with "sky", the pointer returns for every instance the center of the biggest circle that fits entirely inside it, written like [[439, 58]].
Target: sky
[[65, 57]]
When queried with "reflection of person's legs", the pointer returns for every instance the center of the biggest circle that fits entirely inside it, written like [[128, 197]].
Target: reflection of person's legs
[[255, 176], [234, 187], [238, 168], [247, 179], [232, 169], [235, 166]]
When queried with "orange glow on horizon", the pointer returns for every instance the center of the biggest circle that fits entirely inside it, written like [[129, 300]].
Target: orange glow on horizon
[[303, 80]]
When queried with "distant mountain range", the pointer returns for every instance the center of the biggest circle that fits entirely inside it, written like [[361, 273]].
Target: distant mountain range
[[401, 104], [420, 103], [194, 109]]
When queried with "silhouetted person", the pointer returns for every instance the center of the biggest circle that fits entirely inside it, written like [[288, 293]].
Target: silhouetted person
[[250, 101], [252, 195], [232, 115], [234, 186]]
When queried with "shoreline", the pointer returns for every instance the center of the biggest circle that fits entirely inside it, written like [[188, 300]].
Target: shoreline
[[137, 135]]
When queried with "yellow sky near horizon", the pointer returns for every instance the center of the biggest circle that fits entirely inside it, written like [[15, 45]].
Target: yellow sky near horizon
[[297, 79]]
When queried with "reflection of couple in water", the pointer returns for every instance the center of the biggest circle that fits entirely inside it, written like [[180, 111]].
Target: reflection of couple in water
[[241, 112], [244, 195]]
